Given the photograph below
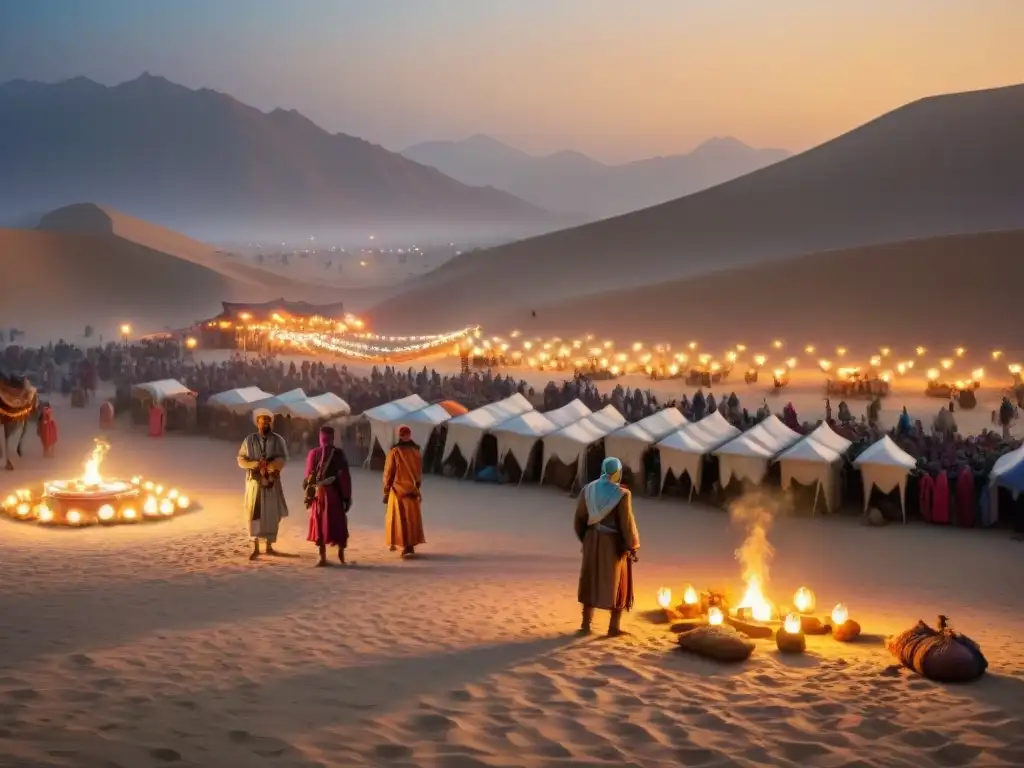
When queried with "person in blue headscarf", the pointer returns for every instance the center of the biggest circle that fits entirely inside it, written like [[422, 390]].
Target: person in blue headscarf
[[605, 525]]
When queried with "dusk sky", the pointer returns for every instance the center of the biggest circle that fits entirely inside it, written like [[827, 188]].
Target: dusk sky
[[619, 80]]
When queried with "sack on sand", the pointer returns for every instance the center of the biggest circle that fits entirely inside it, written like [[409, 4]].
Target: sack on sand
[[941, 655], [718, 643]]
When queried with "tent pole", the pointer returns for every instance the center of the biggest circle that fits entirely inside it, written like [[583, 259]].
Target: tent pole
[[817, 490]]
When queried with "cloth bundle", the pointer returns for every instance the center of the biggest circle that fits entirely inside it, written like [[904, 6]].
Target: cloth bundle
[[941, 655], [718, 643]]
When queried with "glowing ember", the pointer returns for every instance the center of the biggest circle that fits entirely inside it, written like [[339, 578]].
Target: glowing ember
[[690, 596], [715, 616], [664, 597], [804, 600], [755, 601], [792, 624], [840, 615]]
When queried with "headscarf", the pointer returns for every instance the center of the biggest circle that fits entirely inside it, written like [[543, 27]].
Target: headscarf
[[262, 412], [604, 494], [326, 436], [404, 433]]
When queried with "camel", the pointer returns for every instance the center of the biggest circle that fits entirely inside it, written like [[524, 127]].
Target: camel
[[18, 401]]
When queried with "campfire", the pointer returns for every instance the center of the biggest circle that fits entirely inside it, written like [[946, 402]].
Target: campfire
[[93, 499]]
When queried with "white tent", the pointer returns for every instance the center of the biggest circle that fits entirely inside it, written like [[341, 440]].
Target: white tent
[[237, 400], [684, 450], [331, 403], [747, 457], [629, 443], [423, 422], [569, 445], [518, 436], [304, 409], [825, 435], [160, 390], [1006, 473], [568, 414], [276, 403], [466, 431], [885, 466], [810, 461], [384, 419]]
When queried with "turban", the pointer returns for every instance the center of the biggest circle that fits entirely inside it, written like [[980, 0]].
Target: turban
[[404, 433], [259, 412]]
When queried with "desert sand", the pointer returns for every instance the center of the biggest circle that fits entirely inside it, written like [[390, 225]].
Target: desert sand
[[940, 166], [160, 644]]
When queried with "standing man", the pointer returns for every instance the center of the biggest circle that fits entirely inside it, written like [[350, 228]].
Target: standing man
[[328, 489], [403, 475], [263, 455], [605, 525]]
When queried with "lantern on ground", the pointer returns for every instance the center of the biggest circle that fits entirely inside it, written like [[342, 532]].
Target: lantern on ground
[[790, 637], [803, 600]]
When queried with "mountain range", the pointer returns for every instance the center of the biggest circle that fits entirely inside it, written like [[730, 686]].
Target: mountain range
[[204, 163], [573, 183], [939, 166]]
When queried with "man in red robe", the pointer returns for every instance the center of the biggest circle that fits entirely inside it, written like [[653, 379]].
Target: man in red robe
[[47, 431], [328, 487]]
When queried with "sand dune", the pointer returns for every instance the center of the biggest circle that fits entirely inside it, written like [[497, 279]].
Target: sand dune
[[89, 265], [944, 165], [162, 645], [962, 289]]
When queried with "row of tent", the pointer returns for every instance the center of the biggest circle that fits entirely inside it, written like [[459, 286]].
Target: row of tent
[[568, 432], [244, 400]]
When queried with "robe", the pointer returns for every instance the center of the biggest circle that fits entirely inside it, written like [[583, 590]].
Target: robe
[[606, 575], [403, 476], [328, 514], [264, 507]]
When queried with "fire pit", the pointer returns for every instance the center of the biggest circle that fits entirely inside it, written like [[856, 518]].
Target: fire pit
[[92, 499]]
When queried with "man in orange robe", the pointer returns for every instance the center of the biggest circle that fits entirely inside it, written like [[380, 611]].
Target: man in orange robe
[[403, 475]]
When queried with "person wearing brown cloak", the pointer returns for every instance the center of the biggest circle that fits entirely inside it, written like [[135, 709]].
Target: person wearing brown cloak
[[605, 525], [403, 476], [328, 496]]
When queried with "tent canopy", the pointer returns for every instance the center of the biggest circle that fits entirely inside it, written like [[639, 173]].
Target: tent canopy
[[747, 457], [164, 388], [682, 452], [773, 435], [885, 453], [276, 403], [568, 414], [304, 409], [569, 444], [422, 422], [465, 432], [331, 403], [810, 462], [237, 399], [662, 423], [825, 435], [385, 418]]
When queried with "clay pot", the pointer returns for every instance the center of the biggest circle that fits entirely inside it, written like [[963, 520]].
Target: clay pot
[[847, 631], [790, 643]]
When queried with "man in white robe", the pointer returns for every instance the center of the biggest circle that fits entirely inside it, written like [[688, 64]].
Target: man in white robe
[[263, 455]]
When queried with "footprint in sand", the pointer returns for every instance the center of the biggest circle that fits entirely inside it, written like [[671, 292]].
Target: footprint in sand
[[955, 755], [923, 738], [392, 751], [23, 694], [431, 724], [81, 660], [165, 754]]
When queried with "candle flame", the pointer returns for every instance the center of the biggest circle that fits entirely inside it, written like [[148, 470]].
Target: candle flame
[[715, 616], [840, 615], [804, 600], [792, 624], [690, 596], [664, 597]]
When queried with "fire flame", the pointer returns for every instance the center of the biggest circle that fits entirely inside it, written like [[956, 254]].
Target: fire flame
[[690, 596], [754, 599], [92, 476], [754, 554], [840, 615], [792, 625], [715, 616]]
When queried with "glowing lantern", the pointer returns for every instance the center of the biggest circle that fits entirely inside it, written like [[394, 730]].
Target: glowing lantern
[[960, 351], [875, 360], [690, 596], [791, 363], [996, 354], [74, 517], [933, 374], [159, 489], [11, 501], [1015, 368], [128, 513], [172, 494], [730, 356], [741, 347], [148, 485], [715, 616], [946, 364], [920, 351], [777, 344], [804, 600], [23, 509], [978, 374], [45, 514], [166, 507], [885, 351], [841, 351], [839, 615], [106, 512], [664, 597], [760, 359], [809, 349], [901, 368], [792, 624], [150, 507], [825, 365]]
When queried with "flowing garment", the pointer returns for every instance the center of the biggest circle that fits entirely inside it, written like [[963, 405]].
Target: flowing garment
[[607, 529], [403, 475], [328, 514], [264, 506]]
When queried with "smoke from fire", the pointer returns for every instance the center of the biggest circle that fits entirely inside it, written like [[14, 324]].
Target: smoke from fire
[[753, 513]]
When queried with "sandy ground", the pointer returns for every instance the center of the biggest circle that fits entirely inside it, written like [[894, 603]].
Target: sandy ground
[[160, 644]]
